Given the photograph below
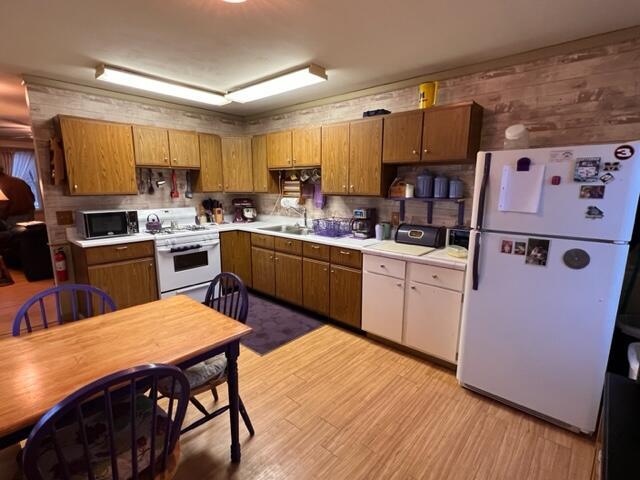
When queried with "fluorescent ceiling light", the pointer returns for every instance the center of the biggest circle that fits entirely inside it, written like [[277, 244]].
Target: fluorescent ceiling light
[[163, 87], [283, 83]]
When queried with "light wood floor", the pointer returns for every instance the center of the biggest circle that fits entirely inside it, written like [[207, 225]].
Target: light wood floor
[[13, 296], [334, 405]]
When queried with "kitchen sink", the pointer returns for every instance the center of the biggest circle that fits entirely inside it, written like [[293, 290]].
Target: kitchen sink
[[290, 229]]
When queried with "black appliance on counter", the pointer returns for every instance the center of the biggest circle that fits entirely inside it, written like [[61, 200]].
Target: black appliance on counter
[[423, 235], [363, 223]]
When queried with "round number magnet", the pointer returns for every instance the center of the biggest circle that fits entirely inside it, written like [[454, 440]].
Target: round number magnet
[[624, 152], [576, 258]]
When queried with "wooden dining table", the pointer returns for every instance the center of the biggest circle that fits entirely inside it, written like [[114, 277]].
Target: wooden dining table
[[39, 369]]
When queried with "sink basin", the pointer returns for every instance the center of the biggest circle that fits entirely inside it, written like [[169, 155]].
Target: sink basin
[[290, 229]]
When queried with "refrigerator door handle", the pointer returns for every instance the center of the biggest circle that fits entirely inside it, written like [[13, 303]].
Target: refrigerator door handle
[[476, 261], [483, 190]]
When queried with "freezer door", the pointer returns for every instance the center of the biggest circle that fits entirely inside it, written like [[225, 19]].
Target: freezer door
[[539, 335], [562, 211]]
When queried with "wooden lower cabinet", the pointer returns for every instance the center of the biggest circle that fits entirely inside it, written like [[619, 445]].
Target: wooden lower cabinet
[[263, 270], [346, 295], [129, 283], [288, 277], [235, 252], [316, 286]]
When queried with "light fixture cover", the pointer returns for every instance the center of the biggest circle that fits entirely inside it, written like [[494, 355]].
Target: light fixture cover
[[163, 87], [280, 84]]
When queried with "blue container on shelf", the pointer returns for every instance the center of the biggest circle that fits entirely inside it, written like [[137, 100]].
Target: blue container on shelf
[[441, 187], [424, 185], [456, 188]]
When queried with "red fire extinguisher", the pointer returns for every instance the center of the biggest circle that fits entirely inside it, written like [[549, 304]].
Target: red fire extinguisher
[[60, 261]]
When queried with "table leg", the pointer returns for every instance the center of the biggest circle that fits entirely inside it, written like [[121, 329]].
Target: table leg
[[233, 350]]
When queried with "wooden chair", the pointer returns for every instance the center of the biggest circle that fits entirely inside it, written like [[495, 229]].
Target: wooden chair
[[228, 295], [112, 428], [86, 293]]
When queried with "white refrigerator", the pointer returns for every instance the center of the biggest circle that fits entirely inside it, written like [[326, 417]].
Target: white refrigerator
[[548, 248]]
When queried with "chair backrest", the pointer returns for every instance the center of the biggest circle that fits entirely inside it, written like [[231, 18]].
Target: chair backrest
[[92, 298], [110, 429], [228, 295]]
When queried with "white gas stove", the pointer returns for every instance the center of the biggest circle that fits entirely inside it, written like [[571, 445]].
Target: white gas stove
[[187, 255]]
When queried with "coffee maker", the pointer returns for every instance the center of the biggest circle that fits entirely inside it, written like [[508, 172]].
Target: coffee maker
[[363, 223], [244, 210]]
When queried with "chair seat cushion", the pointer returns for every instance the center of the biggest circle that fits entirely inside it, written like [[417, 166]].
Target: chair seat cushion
[[96, 427], [200, 374]]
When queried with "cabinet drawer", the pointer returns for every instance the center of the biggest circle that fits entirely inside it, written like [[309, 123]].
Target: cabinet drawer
[[317, 251], [116, 253], [384, 266], [287, 245], [262, 241], [346, 256], [437, 276]]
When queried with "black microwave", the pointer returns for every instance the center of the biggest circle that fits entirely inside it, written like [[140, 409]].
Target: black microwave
[[459, 237], [106, 223]]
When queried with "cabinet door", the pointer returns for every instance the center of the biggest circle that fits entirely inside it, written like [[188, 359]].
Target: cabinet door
[[382, 305], [279, 149], [236, 164], [263, 270], [99, 157], [432, 318], [242, 257], [184, 149], [210, 177], [402, 138], [151, 146], [129, 283], [451, 133], [227, 250], [335, 159], [306, 147], [315, 286], [365, 157], [346, 295], [264, 181], [289, 278]]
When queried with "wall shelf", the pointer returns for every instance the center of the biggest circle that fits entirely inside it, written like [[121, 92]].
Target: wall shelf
[[430, 202]]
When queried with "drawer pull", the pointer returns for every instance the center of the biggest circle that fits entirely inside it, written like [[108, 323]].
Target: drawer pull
[[324, 269], [289, 242], [333, 271], [315, 247], [122, 248], [342, 252]]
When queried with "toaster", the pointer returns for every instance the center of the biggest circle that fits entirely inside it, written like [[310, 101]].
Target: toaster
[[423, 235]]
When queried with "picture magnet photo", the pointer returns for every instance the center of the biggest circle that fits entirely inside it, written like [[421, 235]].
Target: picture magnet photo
[[537, 252], [592, 191], [506, 246], [587, 169]]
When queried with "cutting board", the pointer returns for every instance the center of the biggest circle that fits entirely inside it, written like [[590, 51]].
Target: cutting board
[[403, 248]]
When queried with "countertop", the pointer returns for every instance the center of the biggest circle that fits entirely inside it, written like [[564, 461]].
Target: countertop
[[438, 257]]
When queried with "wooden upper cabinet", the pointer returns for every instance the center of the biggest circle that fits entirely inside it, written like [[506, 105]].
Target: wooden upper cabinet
[[451, 133], [279, 149], [402, 137], [365, 157], [307, 147], [151, 146], [184, 149], [264, 181], [237, 168], [99, 157], [335, 158], [210, 177]]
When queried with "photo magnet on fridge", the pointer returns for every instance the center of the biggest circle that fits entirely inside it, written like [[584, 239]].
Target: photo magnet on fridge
[[594, 212], [506, 246], [611, 166], [624, 152], [561, 155], [592, 191], [520, 248], [607, 177], [587, 169], [537, 252]]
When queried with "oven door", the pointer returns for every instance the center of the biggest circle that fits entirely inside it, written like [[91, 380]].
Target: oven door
[[193, 266], [197, 292]]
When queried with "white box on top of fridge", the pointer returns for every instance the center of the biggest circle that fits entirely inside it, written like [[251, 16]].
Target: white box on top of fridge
[[542, 295]]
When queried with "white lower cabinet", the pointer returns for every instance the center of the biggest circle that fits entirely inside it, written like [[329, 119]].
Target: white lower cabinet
[[382, 305], [432, 320]]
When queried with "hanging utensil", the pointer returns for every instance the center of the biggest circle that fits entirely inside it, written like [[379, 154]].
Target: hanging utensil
[[161, 181], [142, 183], [150, 190], [174, 185], [188, 193]]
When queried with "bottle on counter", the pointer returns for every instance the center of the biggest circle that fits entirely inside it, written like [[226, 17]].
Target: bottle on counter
[[379, 232]]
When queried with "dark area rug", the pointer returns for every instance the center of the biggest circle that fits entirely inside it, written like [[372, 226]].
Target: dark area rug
[[275, 324]]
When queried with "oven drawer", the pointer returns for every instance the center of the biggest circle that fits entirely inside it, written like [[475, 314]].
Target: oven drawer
[[346, 257], [317, 251], [262, 241], [437, 276], [286, 245], [384, 266], [116, 253]]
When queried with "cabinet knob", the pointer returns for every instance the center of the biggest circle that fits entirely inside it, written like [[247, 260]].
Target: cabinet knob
[[414, 152], [75, 187], [151, 264], [434, 276], [324, 269], [426, 150], [333, 271], [382, 265], [166, 159], [351, 187], [289, 242], [413, 287], [398, 284]]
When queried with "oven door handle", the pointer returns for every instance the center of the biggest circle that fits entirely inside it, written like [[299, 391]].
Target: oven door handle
[[199, 246]]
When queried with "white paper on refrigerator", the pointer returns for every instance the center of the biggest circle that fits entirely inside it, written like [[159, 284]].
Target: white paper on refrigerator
[[521, 191]]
